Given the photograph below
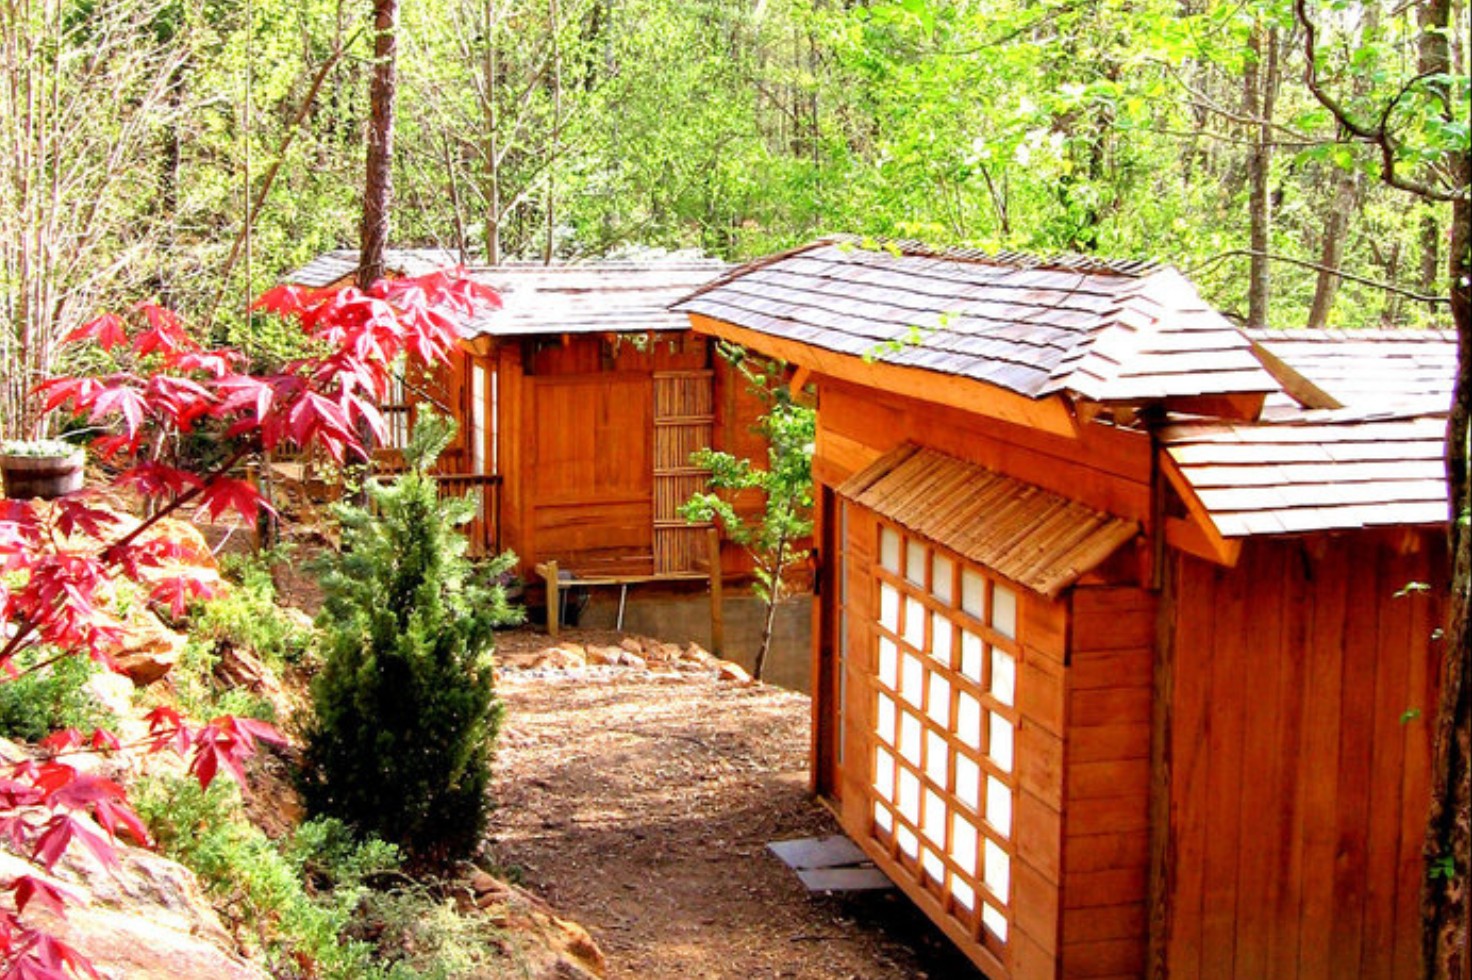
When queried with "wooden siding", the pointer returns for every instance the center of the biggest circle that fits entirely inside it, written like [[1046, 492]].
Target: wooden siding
[[1297, 747], [1107, 783], [1106, 468], [586, 479]]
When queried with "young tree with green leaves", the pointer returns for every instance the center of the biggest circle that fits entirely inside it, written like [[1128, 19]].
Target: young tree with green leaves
[[405, 712], [774, 535]]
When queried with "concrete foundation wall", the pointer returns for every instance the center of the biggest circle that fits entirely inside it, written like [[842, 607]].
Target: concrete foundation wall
[[686, 619]]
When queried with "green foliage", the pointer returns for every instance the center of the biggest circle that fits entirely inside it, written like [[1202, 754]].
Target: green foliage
[[249, 616], [299, 901], [786, 484], [47, 697], [404, 711]]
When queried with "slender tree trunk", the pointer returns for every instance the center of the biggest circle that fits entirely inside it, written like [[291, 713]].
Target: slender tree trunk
[[553, 24], [492, 152], [378, 185], [1260, 85], [774, 596], [1336, 224]]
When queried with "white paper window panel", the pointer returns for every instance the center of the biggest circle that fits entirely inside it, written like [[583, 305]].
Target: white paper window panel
[[964, 894], [999, 805], [1004, 611], [968, 720], [973, 593], [915, 555], [908, 802], [940, 638], [908, 842], [889, 607], [884, 774], [912, 679], [999, 741], [478, 418], [914, 623], [889, 663], [971, 654], [938, 706], [937, 758], [934, 826], [994, 920], [934, 867], [910, 730], [884, 719], [942, 579], [968, 782], [883, 819], [997, 869], [963, 844], [889, 550], [1004, 676]]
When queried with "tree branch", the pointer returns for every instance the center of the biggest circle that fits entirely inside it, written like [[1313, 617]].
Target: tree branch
[[1379, 135], [1318, 267]]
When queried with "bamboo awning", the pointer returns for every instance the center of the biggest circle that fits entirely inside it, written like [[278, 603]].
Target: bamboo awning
[[1036, 538]]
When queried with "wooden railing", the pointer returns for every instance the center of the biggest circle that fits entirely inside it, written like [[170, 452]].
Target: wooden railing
[[484, 529]]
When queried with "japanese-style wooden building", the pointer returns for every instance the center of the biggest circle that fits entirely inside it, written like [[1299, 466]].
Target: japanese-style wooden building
[[1121, 667], [579, 403]]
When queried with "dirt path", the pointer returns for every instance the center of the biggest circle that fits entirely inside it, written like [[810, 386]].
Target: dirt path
[[640, 805]]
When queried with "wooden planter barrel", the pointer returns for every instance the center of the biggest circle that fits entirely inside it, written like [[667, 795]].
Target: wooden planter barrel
[[45, 477]]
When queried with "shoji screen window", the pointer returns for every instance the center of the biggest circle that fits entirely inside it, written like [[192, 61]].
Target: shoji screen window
[[945, 688]]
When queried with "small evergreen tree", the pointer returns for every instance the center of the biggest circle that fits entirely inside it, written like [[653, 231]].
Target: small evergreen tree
[[404, 710]]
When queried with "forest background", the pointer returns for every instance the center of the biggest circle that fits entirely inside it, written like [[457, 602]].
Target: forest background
[[138, 140]]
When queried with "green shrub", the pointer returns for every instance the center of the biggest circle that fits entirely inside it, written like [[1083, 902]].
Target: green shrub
[[248, 616], [404, 711], [264, 885], [46, 698]]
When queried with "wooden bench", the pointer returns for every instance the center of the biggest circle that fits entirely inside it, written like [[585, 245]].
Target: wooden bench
[[558, 579]]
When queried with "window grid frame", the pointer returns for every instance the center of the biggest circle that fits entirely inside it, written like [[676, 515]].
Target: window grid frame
[[958, 621]]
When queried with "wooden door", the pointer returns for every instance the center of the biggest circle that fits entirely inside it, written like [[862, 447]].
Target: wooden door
[[684, 421]]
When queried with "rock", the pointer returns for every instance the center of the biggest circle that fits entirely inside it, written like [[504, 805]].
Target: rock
[[147, 919], [633, 645], [149, 649], [605, 656], [632, 660], [696, 654], [557, 658], [481, 882], [544, 945], [574, 654], [734, 673]]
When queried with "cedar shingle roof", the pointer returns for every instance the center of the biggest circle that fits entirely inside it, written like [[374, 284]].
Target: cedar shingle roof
[[1325, 470], [1036, 538], [1384, 369], [1094, 329], [332, 267], [591, 297], [582, 297]]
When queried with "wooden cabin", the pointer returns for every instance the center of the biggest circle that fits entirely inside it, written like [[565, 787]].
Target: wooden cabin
[[1120, 667], [580, 402]]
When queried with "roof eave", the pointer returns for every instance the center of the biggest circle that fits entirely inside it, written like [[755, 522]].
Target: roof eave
[[1051, 414]]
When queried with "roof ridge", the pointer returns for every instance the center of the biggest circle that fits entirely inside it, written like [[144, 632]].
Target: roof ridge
[[1007, 258], [1340, 334]]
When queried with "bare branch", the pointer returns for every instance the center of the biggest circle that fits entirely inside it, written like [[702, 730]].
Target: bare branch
[[1318, 267]]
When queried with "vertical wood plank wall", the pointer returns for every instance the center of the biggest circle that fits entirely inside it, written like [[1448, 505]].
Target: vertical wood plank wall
[[1107, 782], [577, 447], [1298, 759]]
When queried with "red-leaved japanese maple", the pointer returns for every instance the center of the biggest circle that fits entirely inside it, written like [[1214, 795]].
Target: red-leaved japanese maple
[[59, 560]]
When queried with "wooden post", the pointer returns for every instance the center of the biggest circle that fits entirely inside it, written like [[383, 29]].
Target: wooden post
[[717, 614], [549, 573]]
